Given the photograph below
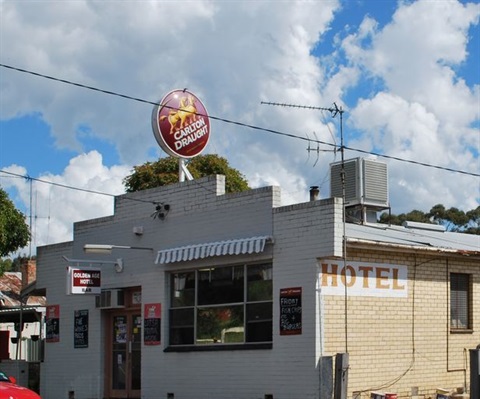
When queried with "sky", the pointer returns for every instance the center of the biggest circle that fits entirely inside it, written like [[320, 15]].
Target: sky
[[406, 75]]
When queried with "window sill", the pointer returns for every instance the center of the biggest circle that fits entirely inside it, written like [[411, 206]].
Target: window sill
[[461, 331], [218, 347]]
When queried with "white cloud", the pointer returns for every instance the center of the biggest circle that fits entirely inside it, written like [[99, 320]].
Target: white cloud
[[425, 111], [233, 56], [55, 206]]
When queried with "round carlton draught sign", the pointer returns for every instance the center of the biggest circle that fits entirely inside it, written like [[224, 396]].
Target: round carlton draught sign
[[181, 125]]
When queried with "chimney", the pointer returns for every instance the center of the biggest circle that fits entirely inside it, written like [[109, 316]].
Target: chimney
[[29, 272], [314, 191]]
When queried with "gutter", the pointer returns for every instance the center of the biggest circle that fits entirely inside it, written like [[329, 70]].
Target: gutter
[[382, 245]]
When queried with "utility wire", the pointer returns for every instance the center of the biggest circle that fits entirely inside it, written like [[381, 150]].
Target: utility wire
[[29, 178], [412, 161], [258, 128]]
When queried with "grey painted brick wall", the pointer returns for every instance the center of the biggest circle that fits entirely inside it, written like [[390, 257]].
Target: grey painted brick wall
[[200, 213]]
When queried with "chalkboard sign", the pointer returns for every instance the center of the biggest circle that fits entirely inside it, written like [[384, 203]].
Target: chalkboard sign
[[152, 324], [52, 323], [80, 329], [151, 331], [53, 330], [291, 311]]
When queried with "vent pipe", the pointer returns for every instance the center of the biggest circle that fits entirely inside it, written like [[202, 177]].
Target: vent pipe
[[314, 192]]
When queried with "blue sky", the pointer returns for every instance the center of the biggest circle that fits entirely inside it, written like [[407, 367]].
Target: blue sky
[[406, 73]]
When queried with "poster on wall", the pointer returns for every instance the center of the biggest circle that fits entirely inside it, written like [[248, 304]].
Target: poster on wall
[[152, 323], [80, 329], [52, 323], [291, 311], [120, 329]]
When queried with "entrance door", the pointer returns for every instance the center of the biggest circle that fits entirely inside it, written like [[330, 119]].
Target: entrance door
[[124, 354]]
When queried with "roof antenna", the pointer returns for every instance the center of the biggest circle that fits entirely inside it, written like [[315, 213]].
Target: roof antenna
[[334, 111]]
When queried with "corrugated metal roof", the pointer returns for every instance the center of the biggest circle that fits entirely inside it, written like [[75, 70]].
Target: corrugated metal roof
[[27, 314], [10, 289], [10, 286], [413, 237]]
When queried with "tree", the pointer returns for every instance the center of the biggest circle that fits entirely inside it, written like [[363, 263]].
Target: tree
[[165, 171], [474, 218], [14, 231], [453, 219], [13, 265], [5, 265], [413, 216]]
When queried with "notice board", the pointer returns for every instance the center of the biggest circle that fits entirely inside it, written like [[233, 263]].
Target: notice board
[[52, 324], [291, 311], [152, 323], [80, 329]]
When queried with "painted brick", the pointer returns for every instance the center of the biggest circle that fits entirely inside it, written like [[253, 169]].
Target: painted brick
[[399, 342]]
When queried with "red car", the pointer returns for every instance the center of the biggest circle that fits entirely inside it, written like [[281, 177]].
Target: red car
[[10, 390]]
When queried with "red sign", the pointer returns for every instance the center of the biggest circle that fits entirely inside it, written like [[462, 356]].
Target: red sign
[[85, 281], [152, 322], [52, 323], [53, 312], [181, 125]]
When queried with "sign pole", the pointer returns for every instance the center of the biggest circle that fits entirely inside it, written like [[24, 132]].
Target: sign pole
[[181, 172]]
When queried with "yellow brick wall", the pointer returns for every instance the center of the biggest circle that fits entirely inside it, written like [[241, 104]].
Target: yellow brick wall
[[400, 344]]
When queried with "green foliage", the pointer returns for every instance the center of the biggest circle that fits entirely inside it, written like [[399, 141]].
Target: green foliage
[[165, 171], [15, 265], [152, 174], [5, 266], [413, 216], [453, 219], [14, 231]]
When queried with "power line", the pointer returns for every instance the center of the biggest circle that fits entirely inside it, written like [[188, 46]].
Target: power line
[[413, 162], [69, 82], [29, 178], [241, 124]]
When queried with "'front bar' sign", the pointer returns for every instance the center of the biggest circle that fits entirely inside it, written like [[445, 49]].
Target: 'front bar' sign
[[84, 281]]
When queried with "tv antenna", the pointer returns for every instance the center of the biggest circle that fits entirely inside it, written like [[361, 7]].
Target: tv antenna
[[334, 111]]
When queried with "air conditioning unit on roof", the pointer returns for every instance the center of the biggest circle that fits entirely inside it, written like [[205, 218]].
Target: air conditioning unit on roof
[[110, 299], [366, 183]]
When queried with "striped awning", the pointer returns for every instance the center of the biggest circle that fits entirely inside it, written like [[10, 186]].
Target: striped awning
[[199, 251]]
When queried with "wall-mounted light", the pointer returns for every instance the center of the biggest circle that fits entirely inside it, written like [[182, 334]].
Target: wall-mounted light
[[107, 249], [117, 264]]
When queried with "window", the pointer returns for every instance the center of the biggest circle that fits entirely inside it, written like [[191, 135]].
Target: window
[[460, 294], [221, 305]]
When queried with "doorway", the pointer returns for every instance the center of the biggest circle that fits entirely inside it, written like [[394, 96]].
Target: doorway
[[123, 354]]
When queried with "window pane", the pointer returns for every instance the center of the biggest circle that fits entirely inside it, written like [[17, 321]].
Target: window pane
[[459, 300], [213, 305], [182, 289], [259, 322], [220, 285], [259, 283], [181, 326], [220, 325]]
